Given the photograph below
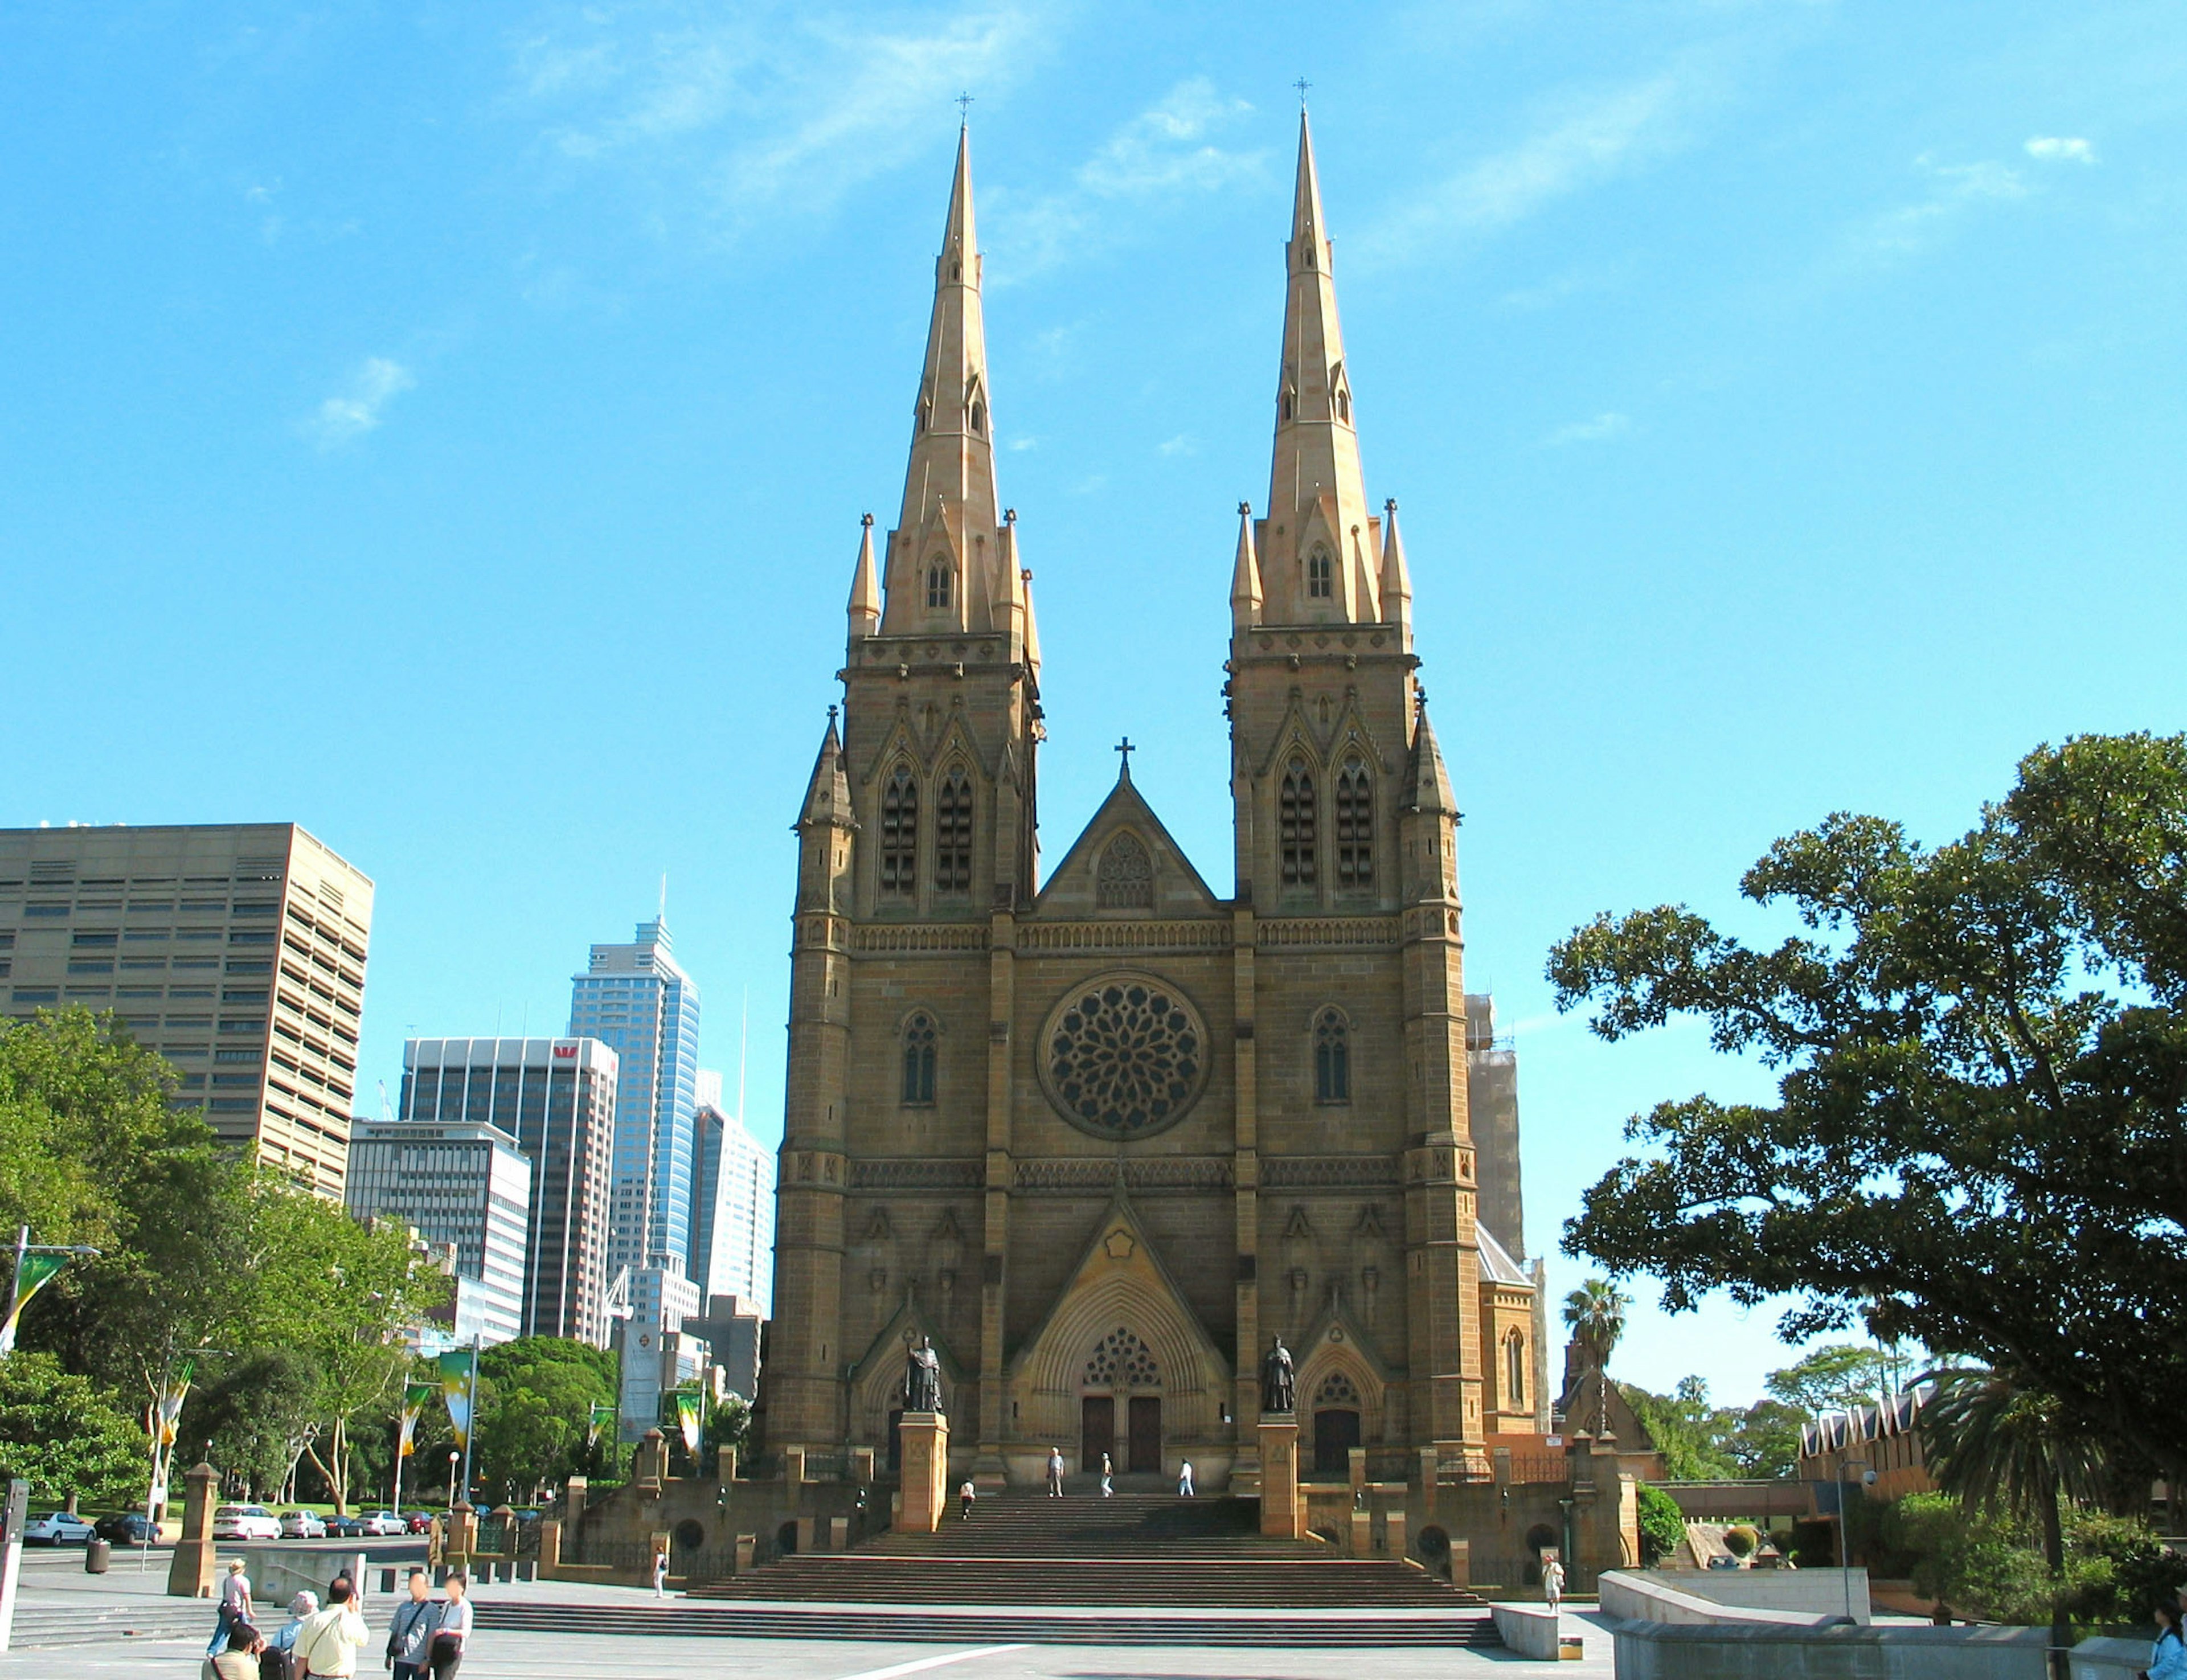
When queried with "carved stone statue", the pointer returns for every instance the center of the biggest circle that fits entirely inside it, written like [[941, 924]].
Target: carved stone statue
[[1278, 1382], [922, 1378]]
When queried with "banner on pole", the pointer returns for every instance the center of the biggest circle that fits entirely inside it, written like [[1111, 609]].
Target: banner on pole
[[690, 1414], [603, 1419], [416, 1396], [35, 1272], [167, 1401], [459, 1389]]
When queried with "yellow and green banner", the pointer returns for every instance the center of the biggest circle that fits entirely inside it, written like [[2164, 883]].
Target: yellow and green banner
[[416, 1396], [690, 1414], [33, 1272], [603, 1419], [459, 1389], [168, 1402]]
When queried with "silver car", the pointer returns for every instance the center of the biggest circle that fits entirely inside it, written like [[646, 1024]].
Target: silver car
[[303, 1526], [57, 1528]]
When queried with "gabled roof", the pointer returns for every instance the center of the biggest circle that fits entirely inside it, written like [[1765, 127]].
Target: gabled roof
[[1178, 889]]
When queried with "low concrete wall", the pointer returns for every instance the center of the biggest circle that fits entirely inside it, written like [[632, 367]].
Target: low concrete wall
[[2110, 1659], [1804, 1592], [1528, 1629], [276, 1576], [1648, 1599], [1755, 1651]]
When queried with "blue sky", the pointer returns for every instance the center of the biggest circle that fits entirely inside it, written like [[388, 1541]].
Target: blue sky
[[447, 426]]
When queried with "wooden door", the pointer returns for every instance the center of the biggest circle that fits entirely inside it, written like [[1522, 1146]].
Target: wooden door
[[1146, 1434], [1097, 1431], [896, 1439], [1335, 1433]]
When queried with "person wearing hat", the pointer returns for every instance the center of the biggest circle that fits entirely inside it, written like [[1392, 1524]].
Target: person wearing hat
[[234, 1606]]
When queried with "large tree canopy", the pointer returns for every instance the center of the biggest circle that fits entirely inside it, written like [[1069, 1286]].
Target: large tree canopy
[[1981, 1052]]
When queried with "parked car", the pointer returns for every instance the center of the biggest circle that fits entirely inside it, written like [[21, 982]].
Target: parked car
[[57, 1528], [383, 1523], [127, 1528], [303, 1526], [419, 1522], [346, 1528], [245, 1522]]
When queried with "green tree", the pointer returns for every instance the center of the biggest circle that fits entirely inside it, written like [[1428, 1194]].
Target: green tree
[[63, 1435], [1595, 1313], [258, 1413], [1981, 1063], [1662, 1524], [535, 1400], [1764, 1439], [1689, 1433], [1831, 1378]]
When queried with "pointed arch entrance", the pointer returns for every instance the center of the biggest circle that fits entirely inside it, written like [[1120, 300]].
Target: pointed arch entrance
[[1122, 1384]]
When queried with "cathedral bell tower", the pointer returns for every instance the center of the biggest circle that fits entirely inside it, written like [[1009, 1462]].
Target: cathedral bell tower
[[1343, 807]]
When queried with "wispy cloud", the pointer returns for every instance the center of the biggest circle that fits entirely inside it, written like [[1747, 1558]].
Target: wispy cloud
[[1953, 189], [760, 107], [1170, 150], [1184, 443], [2060, 148], [344, 418], [1600, 430]]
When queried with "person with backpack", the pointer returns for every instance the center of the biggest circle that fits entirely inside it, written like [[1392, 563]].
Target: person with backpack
[[410, 1632]]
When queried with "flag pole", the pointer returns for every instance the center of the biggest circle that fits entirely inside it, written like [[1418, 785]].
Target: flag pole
[[471, 1427]]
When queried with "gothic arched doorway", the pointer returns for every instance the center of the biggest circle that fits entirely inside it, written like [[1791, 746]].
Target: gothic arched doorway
[[1121, 1374], [1335, 1425]]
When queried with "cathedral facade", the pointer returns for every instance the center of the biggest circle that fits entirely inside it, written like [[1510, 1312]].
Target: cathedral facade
[[1101, 1136]]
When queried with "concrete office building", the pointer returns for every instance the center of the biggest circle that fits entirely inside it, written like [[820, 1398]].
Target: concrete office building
[[731, 1211], [237, 951], [457, 1183], [556, 1097], [636, 1000], [657, 1352]]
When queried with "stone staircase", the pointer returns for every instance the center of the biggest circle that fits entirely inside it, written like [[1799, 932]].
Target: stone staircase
[[1198, 1564]]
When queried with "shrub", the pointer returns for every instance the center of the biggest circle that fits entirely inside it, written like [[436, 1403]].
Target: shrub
[[1663, 1525], [1740, 1541]]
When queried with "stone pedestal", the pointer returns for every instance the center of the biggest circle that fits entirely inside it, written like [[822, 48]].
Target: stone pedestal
[[190, 1576], [1394, 1537], [925, 1471], [1282, 1513], [1363, 1530], [725, 1463]]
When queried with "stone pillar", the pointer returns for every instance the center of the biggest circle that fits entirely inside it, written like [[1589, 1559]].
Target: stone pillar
[[1393, 1533], [1429, 1473], [925, 1471], [1461, 1563], [747, 1548], [190, 1574], [792, 1466], [1282, 1512], [650, 1468], [862, 1466], [573, 1498], [839, 1534], [461, 1546], [725, 1465], [1355, 1470], [550, 1548], [1362, 1532]]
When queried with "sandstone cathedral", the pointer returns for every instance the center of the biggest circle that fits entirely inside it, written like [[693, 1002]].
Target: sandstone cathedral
[[1101, 1137]]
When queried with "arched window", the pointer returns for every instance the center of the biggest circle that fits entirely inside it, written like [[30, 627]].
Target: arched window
[[1125, 878], [1338, 1390], [1344, 406], [1289, 405], [979, 415], [1332, 1057], [937, 583], [953, 832], [1318, 581], [1355, 827], [1295, 820], [1122, 1361], [1514, 1372], [919, 1059], [900, 833]]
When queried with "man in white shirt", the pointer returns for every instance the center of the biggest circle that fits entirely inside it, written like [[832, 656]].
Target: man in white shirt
[[328, 1643]]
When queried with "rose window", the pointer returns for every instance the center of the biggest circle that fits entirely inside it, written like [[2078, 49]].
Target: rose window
[[1123, 1057]]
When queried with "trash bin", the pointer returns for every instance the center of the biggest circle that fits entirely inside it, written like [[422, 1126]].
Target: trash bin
[[96, 1556]]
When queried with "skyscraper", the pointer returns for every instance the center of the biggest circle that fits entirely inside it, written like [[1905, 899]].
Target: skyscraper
[[464, 1184], [731, 1211], [634, 999], [556, 1097], [236, 950]]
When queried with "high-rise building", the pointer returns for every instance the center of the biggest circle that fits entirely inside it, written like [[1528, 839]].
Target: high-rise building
[[461, 1183], [656, 1351], [732, 1210], [635, 999], [237, 951], [556, 1098]]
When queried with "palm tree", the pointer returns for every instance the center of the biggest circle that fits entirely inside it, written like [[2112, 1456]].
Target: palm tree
[[1595, 1313], [1998, 1445]]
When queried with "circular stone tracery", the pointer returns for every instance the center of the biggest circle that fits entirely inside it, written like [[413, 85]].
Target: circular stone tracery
[[1123, 1057]]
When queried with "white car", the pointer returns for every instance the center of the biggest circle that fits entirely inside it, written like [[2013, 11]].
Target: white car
[[384, 1523], [57, 1529], [303, 1526], [245, 1522]]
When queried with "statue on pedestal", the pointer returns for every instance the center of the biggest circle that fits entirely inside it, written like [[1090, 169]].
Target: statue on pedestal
[[1278, 1382], [922, 1378]]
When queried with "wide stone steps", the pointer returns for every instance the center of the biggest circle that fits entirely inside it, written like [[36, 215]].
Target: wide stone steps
[[39, 1626], [917, 1624], [1184, 1583]]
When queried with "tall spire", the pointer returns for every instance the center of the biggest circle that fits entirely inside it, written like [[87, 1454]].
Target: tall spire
[[865, 587], [828, 794], [1245, 574], [1317, 497], [1396, 575], [950, 505]]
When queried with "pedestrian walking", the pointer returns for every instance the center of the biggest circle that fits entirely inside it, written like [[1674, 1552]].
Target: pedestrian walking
[[660, 1575], [234, 1606], [1108, 1478], [2168, 1657], [1184, 1480], [966, 1496], [1552, 1581], [1055, 1473], [451, 1634], [237, 1660], [410, 1630], [328, 1643]]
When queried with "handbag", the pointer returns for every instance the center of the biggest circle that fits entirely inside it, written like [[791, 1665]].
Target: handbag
[[445, 1646]]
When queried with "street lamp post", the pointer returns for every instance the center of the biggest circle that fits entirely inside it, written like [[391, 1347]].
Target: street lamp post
[[1846, 1485], [454, 1459]]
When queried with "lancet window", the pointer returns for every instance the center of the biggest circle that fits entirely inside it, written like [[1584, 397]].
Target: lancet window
[[918, 1036], [953, 832], [1332, 1057], [1295, 824], [1514, 1372], [1125, 878], [1355, 826], [900, 833], [1318, 574], [937, 583]]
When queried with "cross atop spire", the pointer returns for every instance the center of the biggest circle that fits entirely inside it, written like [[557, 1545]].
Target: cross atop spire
[[1303, 84], [1124, 748], [965, 110]]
